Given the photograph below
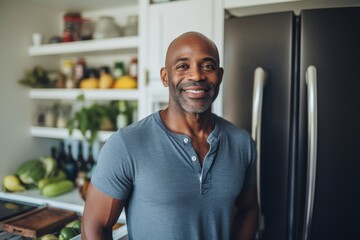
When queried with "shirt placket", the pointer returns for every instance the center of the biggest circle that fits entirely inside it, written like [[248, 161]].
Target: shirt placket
[[203, 173]]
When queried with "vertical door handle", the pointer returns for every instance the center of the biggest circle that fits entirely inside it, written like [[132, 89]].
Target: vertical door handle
[[311, 81], [259, 84]]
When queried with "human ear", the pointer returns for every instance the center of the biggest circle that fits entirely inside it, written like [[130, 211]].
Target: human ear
[[164, 77]]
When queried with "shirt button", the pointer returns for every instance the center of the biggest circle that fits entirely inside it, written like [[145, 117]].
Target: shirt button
[[186, 140], [193, 158]]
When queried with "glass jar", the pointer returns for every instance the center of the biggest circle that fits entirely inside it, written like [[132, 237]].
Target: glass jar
[[106, 28], [72, 27], [131, 28]]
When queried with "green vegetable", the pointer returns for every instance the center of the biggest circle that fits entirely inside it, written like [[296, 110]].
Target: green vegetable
[[45, 181], [76, 224], [57, 188], [31, 171], [67, 233], [49, 237], [49, 164]]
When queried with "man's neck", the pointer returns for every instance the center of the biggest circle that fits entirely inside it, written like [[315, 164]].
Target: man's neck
[[194, 125]]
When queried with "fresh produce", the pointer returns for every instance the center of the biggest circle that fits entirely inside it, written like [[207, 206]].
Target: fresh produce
[[45, 181], [13, 184], [36, 77], [89, 83], [67, 233], [76, 224], [31, 171], [49, 165], [49, 237], [57, 188], [106, 80], [125, 82]]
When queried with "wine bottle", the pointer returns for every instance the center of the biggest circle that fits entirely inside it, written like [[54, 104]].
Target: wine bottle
[[70, 165], [61, 159], [80, 167], [90, 163]]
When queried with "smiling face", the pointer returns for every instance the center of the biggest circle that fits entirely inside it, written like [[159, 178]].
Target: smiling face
[[192, 73]]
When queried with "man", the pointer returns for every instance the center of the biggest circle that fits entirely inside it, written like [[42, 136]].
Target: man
[[183, 172]]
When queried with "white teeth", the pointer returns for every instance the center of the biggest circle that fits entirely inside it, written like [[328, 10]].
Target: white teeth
[[195, 91]]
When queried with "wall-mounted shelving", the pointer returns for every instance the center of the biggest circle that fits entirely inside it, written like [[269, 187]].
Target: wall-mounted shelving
[[121, 43]]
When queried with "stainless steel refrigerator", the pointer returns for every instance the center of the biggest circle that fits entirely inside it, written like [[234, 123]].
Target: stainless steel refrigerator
[[294, 82]]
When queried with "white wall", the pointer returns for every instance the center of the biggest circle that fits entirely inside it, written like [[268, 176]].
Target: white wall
[[18, 20]]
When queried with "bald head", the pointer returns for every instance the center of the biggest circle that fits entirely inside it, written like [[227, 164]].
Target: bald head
[[187, 39]]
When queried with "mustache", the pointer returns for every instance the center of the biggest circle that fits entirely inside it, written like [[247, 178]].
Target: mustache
[[195, 84]]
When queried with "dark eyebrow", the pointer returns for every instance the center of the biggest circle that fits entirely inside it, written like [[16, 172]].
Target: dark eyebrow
[[181, 60], [207, 59], [210, 59]]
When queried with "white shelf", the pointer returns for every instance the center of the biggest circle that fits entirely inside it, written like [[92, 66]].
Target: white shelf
[[69, 201], [63, 133], [89, 94], [121, 43]]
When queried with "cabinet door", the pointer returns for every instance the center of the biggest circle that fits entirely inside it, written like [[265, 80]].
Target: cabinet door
[[169, 20]]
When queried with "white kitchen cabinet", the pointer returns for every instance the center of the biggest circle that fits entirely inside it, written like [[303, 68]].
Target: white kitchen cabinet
[[97, 53], [168, 20]]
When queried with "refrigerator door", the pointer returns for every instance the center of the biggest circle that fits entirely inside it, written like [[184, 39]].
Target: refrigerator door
[[264, 41], [330, 41]]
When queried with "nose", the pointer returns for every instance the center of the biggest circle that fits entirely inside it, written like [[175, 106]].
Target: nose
[[196, 74]]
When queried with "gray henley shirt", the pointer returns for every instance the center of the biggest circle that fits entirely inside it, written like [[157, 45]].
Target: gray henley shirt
[[168, 194]]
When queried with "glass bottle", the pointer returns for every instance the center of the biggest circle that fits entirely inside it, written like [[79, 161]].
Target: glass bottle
[[70, 165], [53, 154], [90, 163], [119, 70], [61, 159], [79, 71], [133, 68], [80, 167], [122, 119]]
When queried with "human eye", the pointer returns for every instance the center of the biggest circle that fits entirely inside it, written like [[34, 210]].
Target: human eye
[[209, 66], [182, 66]]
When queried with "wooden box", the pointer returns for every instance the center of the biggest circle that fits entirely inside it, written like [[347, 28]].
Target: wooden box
[[38, 222]]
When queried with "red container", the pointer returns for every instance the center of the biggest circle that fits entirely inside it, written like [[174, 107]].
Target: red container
[[72, 27]]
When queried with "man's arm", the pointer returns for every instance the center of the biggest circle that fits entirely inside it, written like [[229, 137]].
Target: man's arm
[[246, 216], [100, 213]]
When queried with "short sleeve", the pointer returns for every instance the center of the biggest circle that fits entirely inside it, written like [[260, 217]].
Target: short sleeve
[[113, 174], [250, 178]]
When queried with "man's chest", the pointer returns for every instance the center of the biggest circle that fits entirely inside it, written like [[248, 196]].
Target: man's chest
[[172, 177]]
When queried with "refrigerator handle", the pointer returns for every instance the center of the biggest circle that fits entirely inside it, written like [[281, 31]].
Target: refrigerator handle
[[259, 84], [311, 81]]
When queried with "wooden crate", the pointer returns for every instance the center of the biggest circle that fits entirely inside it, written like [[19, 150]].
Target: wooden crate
[[39, 222]]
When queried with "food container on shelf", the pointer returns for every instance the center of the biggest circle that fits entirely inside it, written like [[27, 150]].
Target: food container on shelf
[[72, 27], [131, 28], [106, 28]]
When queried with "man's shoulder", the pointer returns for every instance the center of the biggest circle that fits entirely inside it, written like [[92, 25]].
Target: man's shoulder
[[141, 128], [230, 128], [234, 133]]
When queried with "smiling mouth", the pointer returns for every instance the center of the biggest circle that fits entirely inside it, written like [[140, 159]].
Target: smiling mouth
[[195, 91]]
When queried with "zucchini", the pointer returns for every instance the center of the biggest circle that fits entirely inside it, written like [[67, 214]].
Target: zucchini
[[57, 188], [45, 181]]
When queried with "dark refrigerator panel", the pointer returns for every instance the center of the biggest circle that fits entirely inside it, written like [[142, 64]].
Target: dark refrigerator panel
[[264, 41], [331, 43]]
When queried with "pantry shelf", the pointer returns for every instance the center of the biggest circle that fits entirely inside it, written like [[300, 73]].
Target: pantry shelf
[[90, 94], [121, 43], [69, 201], [63, 133]]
